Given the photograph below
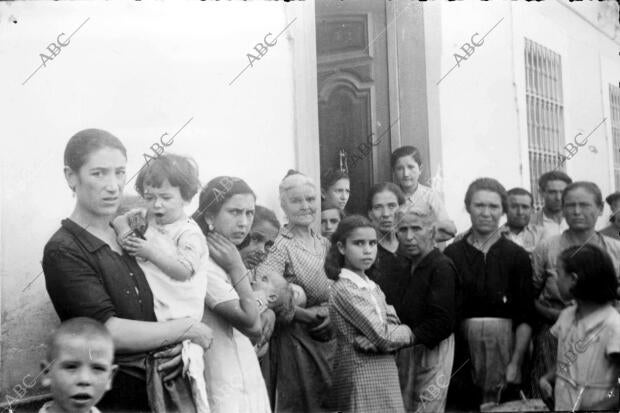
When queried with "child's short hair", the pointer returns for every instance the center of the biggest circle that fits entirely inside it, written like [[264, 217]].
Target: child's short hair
[[596, 276], [405, 151], [327, 205], [334, 260], [80, 327], [180, 171], [262, 213]]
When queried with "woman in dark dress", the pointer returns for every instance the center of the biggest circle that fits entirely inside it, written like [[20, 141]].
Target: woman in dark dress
[[87, 274], [384, 200]]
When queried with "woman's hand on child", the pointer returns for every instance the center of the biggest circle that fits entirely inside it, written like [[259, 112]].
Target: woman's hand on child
[[363, 344], [200, 334], [321, 330], [223, 252], [136, 247], [173, 365]]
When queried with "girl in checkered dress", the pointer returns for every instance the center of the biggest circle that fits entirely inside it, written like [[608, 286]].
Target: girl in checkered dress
[[363, 381]]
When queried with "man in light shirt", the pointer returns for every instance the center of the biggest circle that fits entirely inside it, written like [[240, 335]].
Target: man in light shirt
[[549, 219], [518, 228]]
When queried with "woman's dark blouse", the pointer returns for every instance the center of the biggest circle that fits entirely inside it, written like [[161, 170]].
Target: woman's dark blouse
[[84, 277], [496, 285], [389, 272], [428, 299], [425, 299]]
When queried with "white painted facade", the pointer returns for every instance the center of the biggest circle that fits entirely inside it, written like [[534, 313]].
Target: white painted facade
[[480, 116], [133, 70]]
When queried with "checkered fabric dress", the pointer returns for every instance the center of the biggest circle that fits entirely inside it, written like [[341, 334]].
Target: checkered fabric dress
[[365, 382], [300, 366], [306, 264]]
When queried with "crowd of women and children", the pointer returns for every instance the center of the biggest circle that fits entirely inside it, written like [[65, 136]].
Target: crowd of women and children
[[227, 311]]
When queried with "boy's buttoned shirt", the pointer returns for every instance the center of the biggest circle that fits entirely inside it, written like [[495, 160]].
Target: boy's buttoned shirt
[[584, 372]]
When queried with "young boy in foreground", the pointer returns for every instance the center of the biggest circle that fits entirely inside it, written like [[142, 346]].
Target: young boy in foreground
[[79, 366]]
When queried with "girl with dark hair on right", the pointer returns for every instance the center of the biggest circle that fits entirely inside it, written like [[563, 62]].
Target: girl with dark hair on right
[[588, 333], [363, 381]]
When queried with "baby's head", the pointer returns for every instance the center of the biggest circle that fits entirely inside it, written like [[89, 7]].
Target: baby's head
[[279, 295], [79, 364], [167, 183]]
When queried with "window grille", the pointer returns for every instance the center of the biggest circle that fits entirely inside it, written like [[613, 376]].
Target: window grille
[[545, 112], [614, 103]]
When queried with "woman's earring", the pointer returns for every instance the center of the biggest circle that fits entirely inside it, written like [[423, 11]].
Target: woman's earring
[[211, 227]]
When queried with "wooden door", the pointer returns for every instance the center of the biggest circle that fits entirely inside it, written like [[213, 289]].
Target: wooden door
[[353, 92]]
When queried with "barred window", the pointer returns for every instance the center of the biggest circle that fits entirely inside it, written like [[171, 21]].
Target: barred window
[[545, 112], [614, 102]]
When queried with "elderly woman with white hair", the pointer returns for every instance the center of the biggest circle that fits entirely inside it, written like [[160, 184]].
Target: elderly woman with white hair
[[427, 305], [301, 349]]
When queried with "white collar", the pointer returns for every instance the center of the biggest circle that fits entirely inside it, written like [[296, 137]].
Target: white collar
[[356, 279]]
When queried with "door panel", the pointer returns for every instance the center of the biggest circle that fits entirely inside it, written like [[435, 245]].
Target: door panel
[[352, 75]]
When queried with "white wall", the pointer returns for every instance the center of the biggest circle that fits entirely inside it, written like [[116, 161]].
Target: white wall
[[476, 114], [480, 114], [137, 70]]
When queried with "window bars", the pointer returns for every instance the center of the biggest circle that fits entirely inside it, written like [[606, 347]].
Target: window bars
[[545, 112]]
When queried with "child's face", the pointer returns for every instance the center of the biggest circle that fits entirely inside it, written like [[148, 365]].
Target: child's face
[[80, 374], [407, 172], [338, 193], [267, 282], [330, 218], [360, 249], [165, 203], [262, 236], [565, 282]]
